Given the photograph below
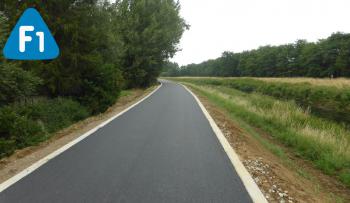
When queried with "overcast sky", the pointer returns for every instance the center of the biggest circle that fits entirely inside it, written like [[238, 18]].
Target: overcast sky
[[237, 25]]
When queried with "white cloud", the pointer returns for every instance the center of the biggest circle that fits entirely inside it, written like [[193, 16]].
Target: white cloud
[[237, 25]]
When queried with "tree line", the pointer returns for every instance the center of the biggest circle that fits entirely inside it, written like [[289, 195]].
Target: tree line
[[325, 58], [104, 48]]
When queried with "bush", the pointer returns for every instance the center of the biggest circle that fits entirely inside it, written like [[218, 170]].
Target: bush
[[22, 125], [57, 113], [15, 83], [104, 90], [7, 147]]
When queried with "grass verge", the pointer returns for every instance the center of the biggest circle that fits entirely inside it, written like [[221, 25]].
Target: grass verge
[[324, 143], [324, 100]]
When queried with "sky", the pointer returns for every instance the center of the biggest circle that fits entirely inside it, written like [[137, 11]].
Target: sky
[[238, 25]]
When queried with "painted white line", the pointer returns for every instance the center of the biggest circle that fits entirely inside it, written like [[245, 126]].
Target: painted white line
[[44, 160], [252, 188]]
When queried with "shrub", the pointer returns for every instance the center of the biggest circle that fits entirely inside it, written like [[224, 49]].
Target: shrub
[[57, 113], [7, 147], [22, 125], [104, 91], [15, 83]]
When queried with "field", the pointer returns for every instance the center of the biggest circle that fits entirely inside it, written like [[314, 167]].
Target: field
[[308, 116], [339, 82]]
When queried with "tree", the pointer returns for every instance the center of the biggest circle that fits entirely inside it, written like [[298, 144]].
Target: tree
[[15, 83], [150, 31], [104, 47], [4, 30], [170, 68], [325, 58], [88, 66]]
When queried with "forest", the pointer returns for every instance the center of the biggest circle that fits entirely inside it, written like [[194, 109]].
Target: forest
[[325, 58], [104, 48]]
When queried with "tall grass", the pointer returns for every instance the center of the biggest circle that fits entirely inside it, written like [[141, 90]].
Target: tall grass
[[321, 141], [338, 82], [332, 82], [324, 101]]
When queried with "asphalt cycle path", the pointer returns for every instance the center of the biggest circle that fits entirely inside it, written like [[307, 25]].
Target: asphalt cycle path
[[161, 150]]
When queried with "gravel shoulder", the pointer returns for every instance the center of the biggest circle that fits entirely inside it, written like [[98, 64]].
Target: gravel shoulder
[[23, 158]]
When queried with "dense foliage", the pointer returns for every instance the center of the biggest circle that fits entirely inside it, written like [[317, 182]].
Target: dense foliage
[[104, 48], [170, 69], [326, 58], [145, 51], [24, 125]]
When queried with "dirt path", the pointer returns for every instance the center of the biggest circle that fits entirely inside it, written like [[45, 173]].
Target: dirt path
[[23, 158], [278, 181]]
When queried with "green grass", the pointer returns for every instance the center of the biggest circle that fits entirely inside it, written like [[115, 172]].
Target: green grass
[[323, 142], [325, 101], [124, 93]]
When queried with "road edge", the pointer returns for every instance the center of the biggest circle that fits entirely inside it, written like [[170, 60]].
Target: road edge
[[38, 164], [250, 185]]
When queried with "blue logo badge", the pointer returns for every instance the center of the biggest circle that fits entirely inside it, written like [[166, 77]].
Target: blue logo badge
[[31, 39]]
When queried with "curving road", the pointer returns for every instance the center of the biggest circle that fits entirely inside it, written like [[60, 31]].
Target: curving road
[[162, 150]]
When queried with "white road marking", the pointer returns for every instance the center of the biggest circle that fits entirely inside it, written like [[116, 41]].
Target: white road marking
[[252, 188], [44, 160]]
